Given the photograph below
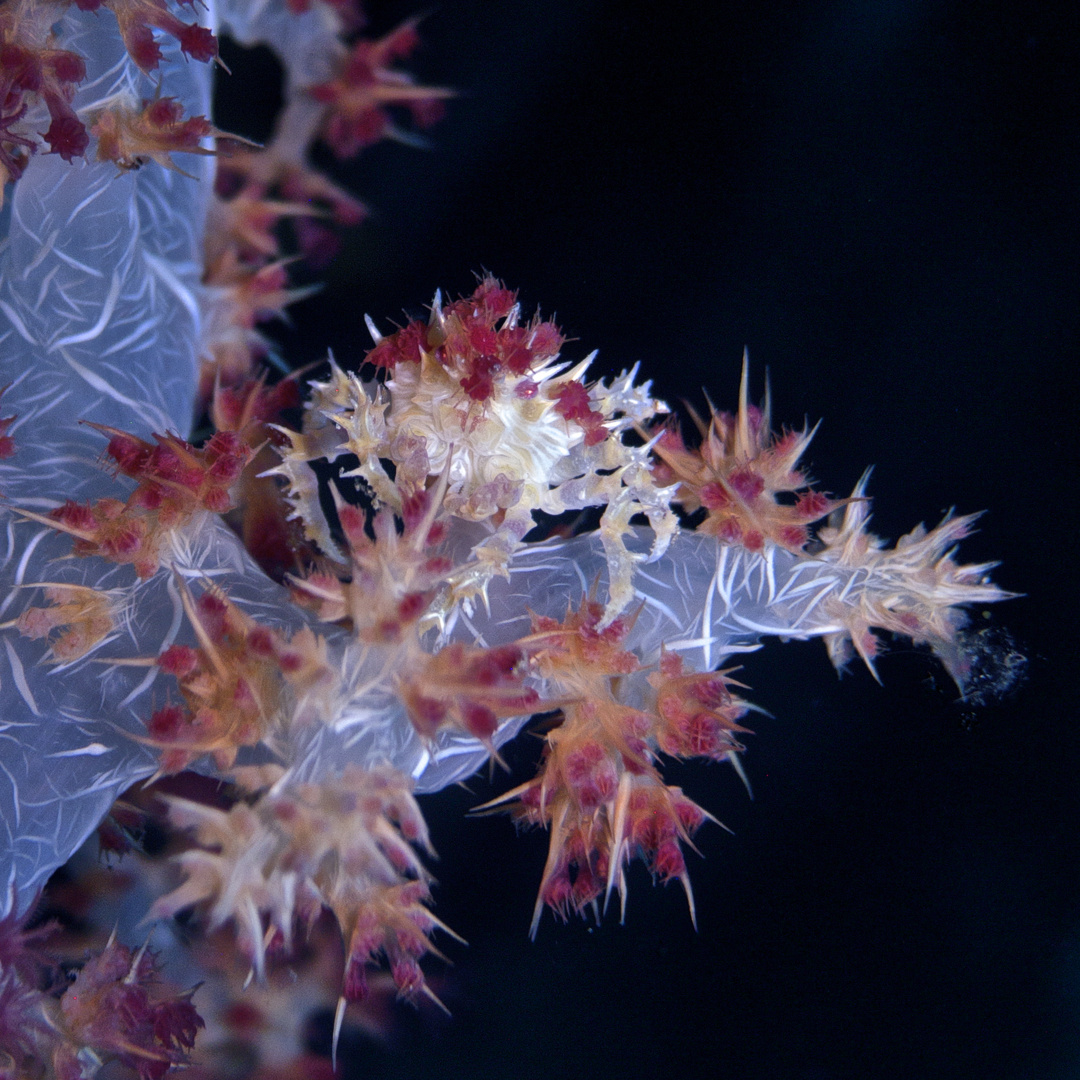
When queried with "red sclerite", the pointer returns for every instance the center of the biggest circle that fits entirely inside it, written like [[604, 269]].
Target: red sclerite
[[365, 85], [31, 65], [599, 789]]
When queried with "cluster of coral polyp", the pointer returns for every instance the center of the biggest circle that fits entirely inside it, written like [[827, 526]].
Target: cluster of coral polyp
[[337, 604], [35, 73]]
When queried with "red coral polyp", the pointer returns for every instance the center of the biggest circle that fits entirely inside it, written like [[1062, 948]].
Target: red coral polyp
[[468, 688], [736, 474], [139, 18], [28, 67], [366, 86], [130, 136], [175, 481], [117, 1008]]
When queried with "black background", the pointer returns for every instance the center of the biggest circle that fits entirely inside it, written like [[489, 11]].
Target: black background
[[879, 200]]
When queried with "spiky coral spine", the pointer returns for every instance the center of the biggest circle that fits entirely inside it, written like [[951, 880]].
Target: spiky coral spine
[[599, 789], [916, 588], [345, 845], [738, 471]]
